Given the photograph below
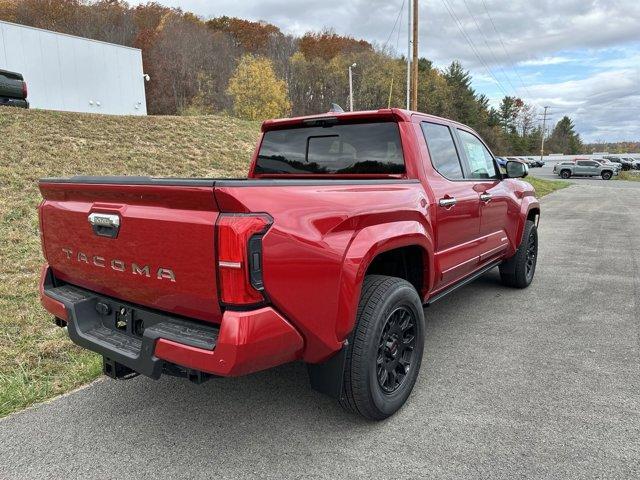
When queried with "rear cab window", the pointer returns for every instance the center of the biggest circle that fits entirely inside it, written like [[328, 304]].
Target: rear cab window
[[442, 150], [338, 149]]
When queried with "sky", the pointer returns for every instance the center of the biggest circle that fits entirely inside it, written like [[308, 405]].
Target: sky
[[580, 57]]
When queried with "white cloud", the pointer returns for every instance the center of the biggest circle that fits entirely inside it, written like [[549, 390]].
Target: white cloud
[[605, 105], [546, 61]]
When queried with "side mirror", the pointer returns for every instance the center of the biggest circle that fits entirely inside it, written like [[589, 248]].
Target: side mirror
[[517, 169]]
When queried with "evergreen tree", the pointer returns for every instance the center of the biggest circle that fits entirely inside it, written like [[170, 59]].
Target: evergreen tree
[[464, 104], [564, 138]]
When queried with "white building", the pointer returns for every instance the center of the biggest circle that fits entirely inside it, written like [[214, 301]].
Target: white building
[[74, 74]]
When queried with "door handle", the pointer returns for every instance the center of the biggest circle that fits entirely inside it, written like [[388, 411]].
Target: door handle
[[485, 197], [447, 202]]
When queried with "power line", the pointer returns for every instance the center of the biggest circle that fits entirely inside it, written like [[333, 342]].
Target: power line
[[505, 49], [486, 42], [397, 49], [473, 47], [395, 24]]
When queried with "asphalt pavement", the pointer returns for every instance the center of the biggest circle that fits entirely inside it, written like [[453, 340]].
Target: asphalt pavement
[[536, 383]]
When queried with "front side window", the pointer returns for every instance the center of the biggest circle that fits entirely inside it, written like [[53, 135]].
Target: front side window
[[442, 150], [363, 148], [481, 165]]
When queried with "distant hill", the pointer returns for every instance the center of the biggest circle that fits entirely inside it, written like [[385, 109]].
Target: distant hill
[[619, 147]]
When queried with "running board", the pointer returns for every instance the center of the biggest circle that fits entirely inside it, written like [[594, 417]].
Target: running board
[[462, 283]]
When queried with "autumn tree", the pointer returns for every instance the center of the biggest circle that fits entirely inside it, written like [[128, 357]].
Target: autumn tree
[[191, 63], [328, 45], [8, 9], [251, 37], [256, 91]]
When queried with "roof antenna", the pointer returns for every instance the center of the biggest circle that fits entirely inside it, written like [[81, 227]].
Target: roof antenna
[[335, 108]]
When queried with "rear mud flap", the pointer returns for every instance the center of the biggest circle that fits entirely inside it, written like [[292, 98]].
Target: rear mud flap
[[327, 377]]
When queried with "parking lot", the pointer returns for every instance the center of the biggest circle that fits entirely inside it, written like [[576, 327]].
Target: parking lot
[[538, 383], [546, 172]]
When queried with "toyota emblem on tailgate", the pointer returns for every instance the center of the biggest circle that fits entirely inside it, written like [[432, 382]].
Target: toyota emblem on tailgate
[[104, 224]]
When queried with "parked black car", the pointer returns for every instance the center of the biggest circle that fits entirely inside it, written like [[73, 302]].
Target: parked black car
[[635, 164], [626, 165], [535, 162], [13, 90]]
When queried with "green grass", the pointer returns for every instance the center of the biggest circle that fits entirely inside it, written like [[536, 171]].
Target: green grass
[[37, 360], [545, 187], [633, 176]]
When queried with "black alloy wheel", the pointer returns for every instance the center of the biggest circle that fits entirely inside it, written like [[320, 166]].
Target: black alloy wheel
[[384, 351], [518, 271], [532, 255], [395, 349]]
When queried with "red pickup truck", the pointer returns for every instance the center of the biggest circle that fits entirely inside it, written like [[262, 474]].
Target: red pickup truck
[[348, 225]]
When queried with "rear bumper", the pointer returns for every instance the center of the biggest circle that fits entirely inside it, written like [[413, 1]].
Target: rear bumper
[[13, 102], [244, 342]]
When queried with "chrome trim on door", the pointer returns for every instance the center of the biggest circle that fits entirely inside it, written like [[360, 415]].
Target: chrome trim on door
[[447, 202]]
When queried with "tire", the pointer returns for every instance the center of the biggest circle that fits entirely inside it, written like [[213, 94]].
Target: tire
[[606, 175], [565, 174], [388, 337], [519, 270]]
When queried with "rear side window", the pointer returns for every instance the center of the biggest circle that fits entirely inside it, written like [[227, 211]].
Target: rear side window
[[442, 150], [364, 148]]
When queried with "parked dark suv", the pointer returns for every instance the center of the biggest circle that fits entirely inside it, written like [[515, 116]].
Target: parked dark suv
[[625, 164], [13, 90]]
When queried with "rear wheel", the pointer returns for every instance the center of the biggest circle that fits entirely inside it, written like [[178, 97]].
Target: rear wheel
[[385, 350], [518, 271], [606, 175], [565, 174]]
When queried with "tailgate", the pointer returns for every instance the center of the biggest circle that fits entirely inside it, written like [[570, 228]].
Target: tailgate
[[146, 241]]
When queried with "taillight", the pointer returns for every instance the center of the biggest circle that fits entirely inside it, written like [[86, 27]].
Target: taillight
[[240, 258], [25, 92]]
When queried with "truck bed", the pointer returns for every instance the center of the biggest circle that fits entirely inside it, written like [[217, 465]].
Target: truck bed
[[169, 225]]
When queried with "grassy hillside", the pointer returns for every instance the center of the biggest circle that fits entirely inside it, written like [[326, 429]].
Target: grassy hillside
[[37, 360]]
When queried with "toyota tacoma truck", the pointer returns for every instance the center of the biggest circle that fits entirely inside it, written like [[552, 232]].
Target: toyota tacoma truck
[[13, 90], [584, 168], [347, 226]]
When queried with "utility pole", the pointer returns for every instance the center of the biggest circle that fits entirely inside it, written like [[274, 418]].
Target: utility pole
[[409, 55], [414, 88], [351, 86], [544, 131]]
